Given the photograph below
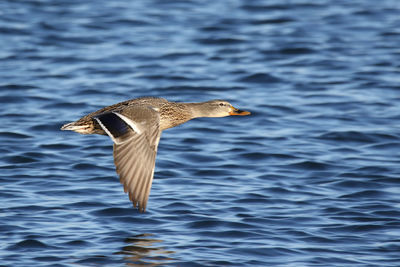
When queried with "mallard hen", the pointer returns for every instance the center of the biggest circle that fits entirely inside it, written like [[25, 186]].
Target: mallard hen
[[135, 127]]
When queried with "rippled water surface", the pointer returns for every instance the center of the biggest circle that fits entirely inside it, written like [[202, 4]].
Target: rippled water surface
[[310, 179]]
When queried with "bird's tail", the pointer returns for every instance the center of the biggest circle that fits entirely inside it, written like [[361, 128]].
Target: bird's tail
[[78, 127]]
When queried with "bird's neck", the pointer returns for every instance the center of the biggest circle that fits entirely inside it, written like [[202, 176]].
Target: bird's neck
[[175, 115], [197, 110]]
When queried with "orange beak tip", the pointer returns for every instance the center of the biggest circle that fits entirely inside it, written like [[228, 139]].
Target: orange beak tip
[[239, 113]]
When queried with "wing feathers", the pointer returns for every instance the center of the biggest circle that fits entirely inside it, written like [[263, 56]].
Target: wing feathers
[[136, 135]]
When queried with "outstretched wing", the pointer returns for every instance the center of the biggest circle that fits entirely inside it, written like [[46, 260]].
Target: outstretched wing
[[136, 134]]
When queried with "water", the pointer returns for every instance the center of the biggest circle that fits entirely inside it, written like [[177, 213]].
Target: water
[[310, 179]]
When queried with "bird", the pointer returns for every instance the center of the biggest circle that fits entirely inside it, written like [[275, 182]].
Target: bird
[[135, 128]]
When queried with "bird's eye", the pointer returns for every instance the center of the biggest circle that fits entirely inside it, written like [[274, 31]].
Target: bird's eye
[[221, 104]]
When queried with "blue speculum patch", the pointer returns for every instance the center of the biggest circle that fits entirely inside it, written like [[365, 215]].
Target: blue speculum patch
[[114, 124]]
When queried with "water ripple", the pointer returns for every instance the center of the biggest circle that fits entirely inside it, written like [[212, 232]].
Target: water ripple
[[310, 179]]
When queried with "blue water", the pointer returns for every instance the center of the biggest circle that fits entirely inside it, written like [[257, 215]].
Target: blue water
[[312, 178]]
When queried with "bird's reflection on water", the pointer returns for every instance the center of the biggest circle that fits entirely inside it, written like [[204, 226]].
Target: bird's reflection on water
[[144, 250]]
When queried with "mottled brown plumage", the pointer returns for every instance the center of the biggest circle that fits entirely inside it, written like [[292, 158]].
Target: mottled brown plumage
[[135, 127]]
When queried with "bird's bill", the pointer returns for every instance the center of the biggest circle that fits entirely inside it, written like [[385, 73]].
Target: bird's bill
[[238, 112]]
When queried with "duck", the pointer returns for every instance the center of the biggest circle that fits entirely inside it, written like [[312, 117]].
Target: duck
[[135, 127]]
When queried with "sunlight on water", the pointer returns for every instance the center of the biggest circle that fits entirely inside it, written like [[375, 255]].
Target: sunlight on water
[[311, 178]]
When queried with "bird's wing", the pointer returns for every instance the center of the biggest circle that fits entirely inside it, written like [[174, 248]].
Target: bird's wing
[[136, 134]]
